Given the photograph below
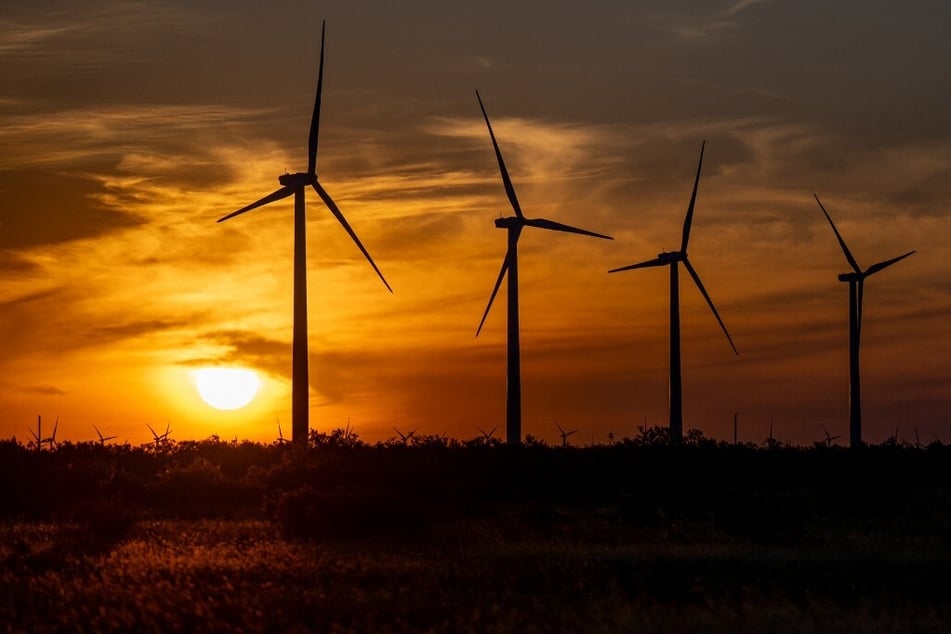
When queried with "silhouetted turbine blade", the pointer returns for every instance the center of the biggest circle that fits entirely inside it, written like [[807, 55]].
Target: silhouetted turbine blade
[[509, 189], [498, 283], [875, 268], [706, 296], [693, 200], [343, 221], [845, 249], [315, 118], [283, 192], [641, 265], [543, 223]]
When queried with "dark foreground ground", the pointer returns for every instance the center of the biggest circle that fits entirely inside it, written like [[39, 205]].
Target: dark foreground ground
[[478, 537]]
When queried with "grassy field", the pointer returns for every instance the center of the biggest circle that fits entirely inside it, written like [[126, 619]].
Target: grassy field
[[448, 537]]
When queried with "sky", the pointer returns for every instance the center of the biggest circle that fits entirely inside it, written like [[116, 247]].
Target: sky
[[127, 129]]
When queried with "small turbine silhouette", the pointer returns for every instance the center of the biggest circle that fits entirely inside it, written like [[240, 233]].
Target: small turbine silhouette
[[564, 434], [673, 259], [407, 436], [487, 435], [51, 439], [514, 225], [160, 439], [856, 281], [38, 434], [102, 439], [297, 184], [829, 437]]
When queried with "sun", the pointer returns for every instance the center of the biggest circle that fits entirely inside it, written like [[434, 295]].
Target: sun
[[226, 388]]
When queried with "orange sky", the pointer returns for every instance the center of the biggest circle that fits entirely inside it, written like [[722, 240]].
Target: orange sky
[[125, 132]]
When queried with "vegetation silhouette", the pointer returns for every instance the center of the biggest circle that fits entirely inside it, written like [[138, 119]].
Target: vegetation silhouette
[[297, 184], [673, 259], [514, 225], [856, 281], [726, 524]]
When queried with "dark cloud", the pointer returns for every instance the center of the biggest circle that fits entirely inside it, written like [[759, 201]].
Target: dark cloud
[[40, 208], [45, 390], [248, 348], [15, 265], [114, 333]]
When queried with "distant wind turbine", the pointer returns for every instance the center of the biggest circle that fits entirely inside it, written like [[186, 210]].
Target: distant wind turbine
[[514, 225], [160, 438], [829, 437], [673, 259], [102, 439], [487, 435], [51, 439], [407, 436], [856, 280], [564, 434], [38, 434], [297, 184]]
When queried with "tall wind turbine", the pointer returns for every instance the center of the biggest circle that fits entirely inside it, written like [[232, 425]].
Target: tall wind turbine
[[297, 184], [514, 225], [856, 280], [673, 259]]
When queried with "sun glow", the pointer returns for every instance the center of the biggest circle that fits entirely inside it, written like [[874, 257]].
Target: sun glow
[[226, 388]]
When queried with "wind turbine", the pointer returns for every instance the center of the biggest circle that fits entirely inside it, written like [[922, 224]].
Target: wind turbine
[[514, 225], [407, 436], [38, 434], [102, 439], [487, 435], [564, 434], [856, 280], [297, 184], [51, 439], [673, 259], [829, 437], [160, 438]]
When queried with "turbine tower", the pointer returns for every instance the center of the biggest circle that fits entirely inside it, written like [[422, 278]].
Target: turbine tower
[[673, 259], [297, 184], [856, 280], [514, 225]]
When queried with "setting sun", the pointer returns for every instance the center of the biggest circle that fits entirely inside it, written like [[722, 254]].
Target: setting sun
[[226, 388]]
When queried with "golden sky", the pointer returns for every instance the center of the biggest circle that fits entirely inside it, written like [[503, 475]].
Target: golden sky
[[127, 129]]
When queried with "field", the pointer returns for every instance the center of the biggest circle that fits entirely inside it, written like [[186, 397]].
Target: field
[[443, 536]]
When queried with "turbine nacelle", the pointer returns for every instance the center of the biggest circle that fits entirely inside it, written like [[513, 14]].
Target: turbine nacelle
[[669, 257], [300, 179], [851, 277], [512, 222]]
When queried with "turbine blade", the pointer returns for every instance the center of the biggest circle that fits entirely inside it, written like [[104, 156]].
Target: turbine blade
[[875, 268], [332, 206], [315, 117], [845, 249], [706, 296], [283, 192], [641, 265], [693, 199], [543, 223], [495, 290], [509, 188]]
